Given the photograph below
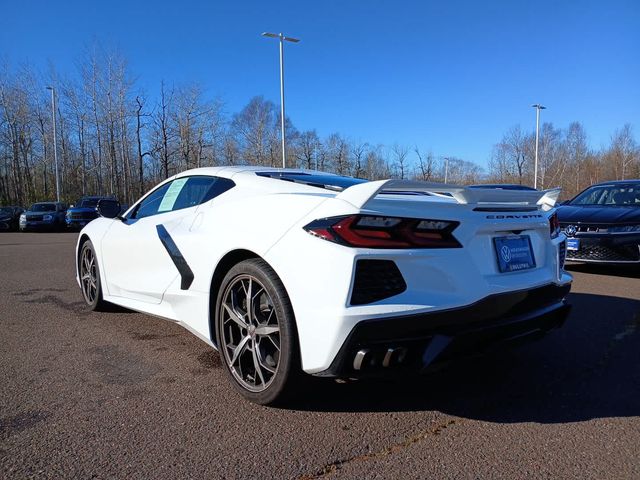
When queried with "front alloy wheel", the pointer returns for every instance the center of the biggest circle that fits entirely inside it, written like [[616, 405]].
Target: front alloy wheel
[[90, 277], [256, 333]]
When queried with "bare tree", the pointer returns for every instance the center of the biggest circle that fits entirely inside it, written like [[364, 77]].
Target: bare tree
[[577, 150], [256, 128], [163, 132], [308, 149], [140, 101], [359, 153], [338, 153], [400, 153], [111, 140], [509, 160], [426, 165], [623, 154]]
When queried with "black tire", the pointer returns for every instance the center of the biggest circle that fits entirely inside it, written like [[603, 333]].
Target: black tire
[[91, 287], [261, 349]]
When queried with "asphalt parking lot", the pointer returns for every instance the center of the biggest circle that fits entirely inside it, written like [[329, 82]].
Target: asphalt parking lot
[[126, 395]]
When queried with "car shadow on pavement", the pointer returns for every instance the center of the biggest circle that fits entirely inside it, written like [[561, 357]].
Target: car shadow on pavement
[[628, 271], [590, 368]]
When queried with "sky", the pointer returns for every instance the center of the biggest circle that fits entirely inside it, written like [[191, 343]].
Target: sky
[[446, 76]]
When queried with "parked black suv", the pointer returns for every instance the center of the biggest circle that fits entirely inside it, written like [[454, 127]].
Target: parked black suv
[[43, 216], [10, 218], [84, 211]]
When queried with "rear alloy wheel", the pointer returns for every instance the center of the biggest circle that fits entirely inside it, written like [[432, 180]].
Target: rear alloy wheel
[[90, 277], [256, 332]]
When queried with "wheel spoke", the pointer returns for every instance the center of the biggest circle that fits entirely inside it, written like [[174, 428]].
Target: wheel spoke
[[263, 330], [239, 349], [276, 343], [256, 364], [268, 320], [249, 301], [263, 364], [234, 316]]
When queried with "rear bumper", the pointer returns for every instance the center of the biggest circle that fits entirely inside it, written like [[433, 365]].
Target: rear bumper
[[415, 342]]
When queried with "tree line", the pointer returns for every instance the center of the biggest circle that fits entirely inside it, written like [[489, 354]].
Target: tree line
[[111, 139]]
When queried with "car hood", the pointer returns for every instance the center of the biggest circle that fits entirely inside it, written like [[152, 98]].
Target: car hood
[[29, 212], [589, 214]]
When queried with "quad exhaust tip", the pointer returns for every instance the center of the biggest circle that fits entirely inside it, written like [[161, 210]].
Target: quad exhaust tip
[[359, 358], [392, 356]]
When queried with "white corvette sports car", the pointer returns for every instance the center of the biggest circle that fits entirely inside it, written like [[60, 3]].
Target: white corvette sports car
[[290, 271]]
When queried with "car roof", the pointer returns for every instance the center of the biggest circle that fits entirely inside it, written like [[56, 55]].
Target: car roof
[[230, 171], [266, 178], [632, 181], [97, 197]]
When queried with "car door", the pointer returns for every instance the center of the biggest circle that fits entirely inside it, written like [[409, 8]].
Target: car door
[[139, 256]]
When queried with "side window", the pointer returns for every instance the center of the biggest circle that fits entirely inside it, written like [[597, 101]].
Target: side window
[[218, 187], [201, 189], [149, 206], [182, 193]]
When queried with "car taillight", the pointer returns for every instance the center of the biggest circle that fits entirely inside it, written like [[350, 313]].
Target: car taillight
[[367, 231], [554, 225]]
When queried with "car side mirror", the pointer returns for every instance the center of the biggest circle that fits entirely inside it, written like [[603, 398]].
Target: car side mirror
[[108, 208]]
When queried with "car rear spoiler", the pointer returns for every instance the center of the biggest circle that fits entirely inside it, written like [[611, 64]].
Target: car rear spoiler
[[361, 194]]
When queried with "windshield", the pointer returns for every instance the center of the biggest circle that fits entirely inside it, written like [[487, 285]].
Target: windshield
[[610, 195], [88, 203], [43, 207], [6, 210]]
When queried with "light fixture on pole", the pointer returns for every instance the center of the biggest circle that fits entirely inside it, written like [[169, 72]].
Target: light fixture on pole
[[55, 141], [282, 39], [538, 107]]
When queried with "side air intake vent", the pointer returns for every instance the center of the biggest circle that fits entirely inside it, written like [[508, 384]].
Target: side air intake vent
[[376, 280]]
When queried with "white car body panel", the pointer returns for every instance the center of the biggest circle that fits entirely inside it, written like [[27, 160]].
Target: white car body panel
[[266, 216]]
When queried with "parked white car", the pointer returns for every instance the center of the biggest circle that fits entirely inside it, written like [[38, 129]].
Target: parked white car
[[289, 271]]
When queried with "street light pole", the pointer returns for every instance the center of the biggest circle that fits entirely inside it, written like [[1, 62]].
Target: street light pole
[[282, 39], [55, 140], [538, 107]]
